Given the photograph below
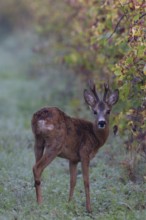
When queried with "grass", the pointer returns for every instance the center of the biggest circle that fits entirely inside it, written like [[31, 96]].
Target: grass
[[113, 196]]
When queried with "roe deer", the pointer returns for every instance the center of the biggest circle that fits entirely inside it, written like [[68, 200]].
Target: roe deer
[[59, 135]]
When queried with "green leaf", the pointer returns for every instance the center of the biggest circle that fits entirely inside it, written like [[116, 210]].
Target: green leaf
[[136, 17], [129, 60]]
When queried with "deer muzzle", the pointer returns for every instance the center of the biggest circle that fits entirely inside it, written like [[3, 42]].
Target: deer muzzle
[[101, 124]]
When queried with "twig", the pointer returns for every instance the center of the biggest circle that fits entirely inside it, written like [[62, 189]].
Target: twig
[[117, 26], [120, 22], [142, 16]]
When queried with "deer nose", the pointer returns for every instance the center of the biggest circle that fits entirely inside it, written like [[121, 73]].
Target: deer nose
[[101, 124]]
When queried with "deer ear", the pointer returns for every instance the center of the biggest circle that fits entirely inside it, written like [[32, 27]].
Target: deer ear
[[113, 97], [90, 98]]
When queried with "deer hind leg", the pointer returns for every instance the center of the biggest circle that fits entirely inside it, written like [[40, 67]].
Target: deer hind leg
[[73, 176], [50, 153], [38, 150]]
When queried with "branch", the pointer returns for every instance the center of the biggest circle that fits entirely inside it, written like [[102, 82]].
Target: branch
[[120, 22], [142, 16], [116, 26]]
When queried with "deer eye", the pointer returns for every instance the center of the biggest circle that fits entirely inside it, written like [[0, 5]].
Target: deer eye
[[108, 112]]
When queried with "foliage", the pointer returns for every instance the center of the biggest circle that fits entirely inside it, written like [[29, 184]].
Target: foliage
[[106, 40]]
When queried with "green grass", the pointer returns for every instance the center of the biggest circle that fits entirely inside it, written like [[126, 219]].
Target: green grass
[[113, 196]]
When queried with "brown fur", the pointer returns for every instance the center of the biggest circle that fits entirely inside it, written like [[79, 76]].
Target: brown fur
[[73, 133]]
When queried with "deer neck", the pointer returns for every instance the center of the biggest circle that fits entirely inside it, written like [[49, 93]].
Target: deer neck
[[101, 134]]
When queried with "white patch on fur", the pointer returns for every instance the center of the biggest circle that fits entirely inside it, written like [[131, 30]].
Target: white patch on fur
[[50, 127], [43, 126]]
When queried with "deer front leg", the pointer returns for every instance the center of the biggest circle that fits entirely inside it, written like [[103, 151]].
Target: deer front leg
[[73, 176], [85, 171]]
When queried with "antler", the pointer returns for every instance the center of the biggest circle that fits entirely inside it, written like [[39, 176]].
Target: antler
[[93, 88], [106, 90]]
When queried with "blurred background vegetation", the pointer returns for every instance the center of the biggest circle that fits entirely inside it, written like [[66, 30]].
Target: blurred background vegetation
[[48, 51]]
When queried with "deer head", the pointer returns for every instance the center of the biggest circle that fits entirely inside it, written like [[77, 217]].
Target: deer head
[[101, 108]]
